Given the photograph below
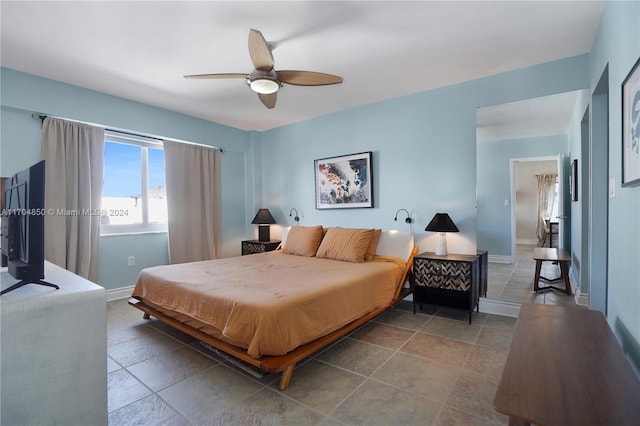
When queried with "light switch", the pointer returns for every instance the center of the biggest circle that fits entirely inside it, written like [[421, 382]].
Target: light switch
[[506, 202], [612, 187]]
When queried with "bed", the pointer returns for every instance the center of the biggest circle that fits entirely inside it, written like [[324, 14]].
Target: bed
[[271, 310]]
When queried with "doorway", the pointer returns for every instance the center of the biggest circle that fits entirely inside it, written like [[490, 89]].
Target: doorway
[[583, 263], [524, 193], [599, 195]]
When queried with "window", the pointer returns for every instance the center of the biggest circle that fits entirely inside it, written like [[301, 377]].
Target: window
[[133, 194]]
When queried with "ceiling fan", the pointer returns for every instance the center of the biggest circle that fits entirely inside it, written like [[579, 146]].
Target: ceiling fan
[[265, 80]]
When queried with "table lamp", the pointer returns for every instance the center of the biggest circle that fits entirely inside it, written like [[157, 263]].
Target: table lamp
[[441, 223], [263, 219]]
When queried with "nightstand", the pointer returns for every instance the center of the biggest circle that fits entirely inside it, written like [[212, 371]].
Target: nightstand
[[451, 281], [255, 246]]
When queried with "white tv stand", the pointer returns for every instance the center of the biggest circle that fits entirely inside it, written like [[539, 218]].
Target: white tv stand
[[53, 351]]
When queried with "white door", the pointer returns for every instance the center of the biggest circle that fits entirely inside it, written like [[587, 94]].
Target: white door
[[562, 186]]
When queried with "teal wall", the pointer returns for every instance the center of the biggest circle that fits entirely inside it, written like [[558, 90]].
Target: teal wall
[[617, 45], [494, 185], [23, 94], [423, 144], [424, 152], [424, 157]]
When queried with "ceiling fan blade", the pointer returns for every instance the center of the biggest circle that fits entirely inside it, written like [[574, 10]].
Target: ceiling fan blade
[[213, 76], [269, 100], [259, 51], [307, 78]]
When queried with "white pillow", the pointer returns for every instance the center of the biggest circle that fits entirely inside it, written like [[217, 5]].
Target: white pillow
[[395, 243], [285, 232]]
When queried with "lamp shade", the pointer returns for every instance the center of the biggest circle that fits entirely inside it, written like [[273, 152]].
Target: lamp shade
[[441, 222], [263, 217]]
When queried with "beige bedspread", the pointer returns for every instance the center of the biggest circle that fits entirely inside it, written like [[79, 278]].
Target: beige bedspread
[[271, 303]]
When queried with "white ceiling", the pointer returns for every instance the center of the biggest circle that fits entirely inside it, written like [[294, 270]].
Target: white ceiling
[[543, 116], [141, 50]]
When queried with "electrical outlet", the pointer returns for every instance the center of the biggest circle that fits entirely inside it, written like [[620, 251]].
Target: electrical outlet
[[131, 261]]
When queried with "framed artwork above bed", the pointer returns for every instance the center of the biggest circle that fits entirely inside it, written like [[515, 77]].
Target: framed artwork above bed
[[344, 182]]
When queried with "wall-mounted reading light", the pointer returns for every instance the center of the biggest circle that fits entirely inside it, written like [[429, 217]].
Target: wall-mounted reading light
[[296, 217], [408, 220]]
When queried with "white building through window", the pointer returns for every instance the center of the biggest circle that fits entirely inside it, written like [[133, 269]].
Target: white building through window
[[133, 194]]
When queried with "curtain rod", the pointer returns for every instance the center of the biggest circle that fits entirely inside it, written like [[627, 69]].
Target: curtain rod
[[41, 116]]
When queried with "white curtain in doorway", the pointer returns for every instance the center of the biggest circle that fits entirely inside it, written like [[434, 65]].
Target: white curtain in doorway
[[193, 201], [74, 162], [546, 198]]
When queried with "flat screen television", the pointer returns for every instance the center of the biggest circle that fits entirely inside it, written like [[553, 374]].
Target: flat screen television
[[22, 232]]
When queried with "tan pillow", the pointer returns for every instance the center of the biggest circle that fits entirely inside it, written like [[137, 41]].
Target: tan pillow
[[324, 231], [346, 244], [373, 245], [303, 240]]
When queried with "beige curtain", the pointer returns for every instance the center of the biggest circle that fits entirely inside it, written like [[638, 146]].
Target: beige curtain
[[546, 198], [74, 162], [193, 201]]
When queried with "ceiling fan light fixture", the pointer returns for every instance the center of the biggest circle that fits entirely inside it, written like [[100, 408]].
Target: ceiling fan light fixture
[[264, 79], [264, 85]]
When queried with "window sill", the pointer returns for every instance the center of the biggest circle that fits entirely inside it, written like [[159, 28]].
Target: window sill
[[123, 233], [133, 229]]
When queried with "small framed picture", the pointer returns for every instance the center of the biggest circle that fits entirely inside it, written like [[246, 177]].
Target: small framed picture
[[631, 127], [344, 182]]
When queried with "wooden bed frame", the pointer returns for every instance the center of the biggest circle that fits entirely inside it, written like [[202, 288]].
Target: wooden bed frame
[[282, 363]]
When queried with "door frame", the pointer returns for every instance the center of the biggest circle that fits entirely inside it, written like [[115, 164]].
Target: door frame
[[563, 216], [512, 184], [599, 195]]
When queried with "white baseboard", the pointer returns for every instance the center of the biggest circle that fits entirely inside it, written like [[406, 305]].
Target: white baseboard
[[119, 293], [491, 306], [494, 258], [581, 299], [528, 242], [499, 307]]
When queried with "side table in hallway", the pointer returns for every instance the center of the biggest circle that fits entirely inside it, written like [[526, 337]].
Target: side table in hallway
[[543, 254]]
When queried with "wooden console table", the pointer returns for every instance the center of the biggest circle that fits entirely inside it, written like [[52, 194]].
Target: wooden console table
[[541, 254], [565, 367]]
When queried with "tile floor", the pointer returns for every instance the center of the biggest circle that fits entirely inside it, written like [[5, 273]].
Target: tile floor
[[514, 282], [432, 368]]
